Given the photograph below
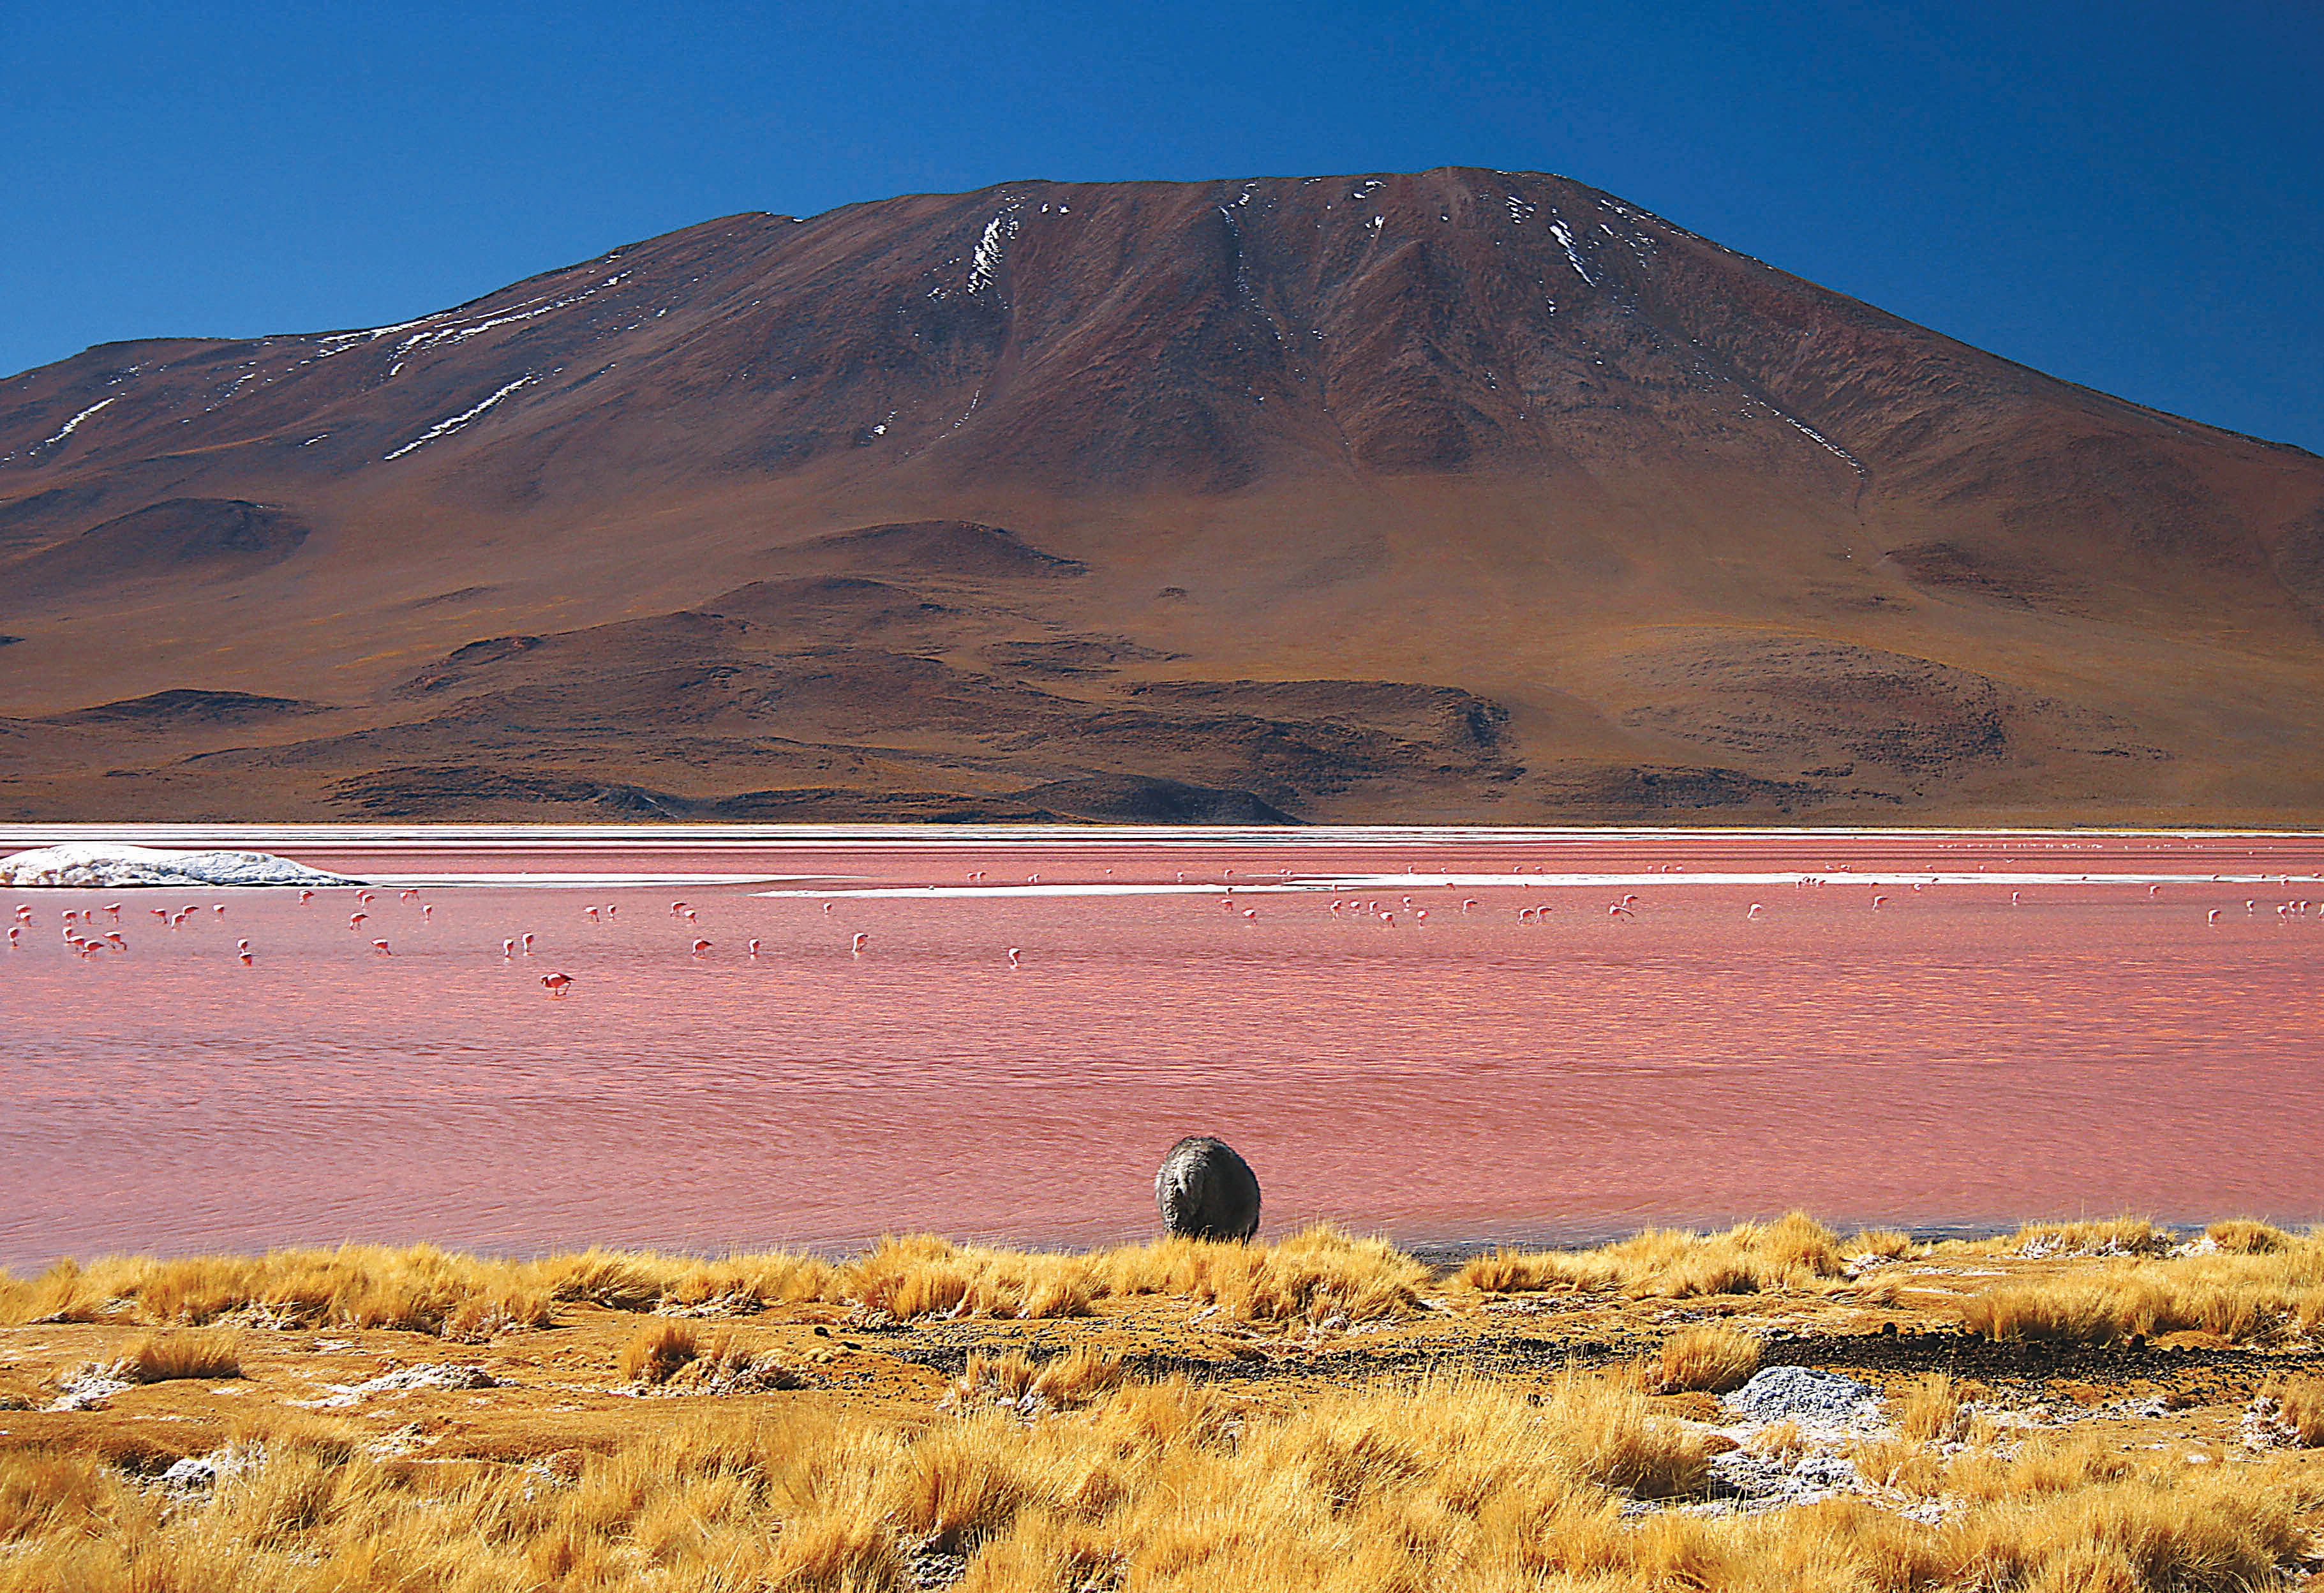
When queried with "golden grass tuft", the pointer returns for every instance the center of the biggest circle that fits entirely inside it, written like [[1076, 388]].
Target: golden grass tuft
[[2240, 1295], [1886, 1244], [2247, 1238], [1931, 1409], [2120, 1236], [161, 1358], [657, 1350], [1713, 1359], [2294, 1406], [1796, 1252], [1063, 1383]]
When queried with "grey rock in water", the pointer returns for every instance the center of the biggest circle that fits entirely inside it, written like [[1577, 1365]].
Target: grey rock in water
[[1205, 1191]]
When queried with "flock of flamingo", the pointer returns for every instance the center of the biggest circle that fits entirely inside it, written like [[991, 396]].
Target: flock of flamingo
[[82, 934]]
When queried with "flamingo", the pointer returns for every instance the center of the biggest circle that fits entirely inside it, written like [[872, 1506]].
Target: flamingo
[[426, 913], [1618, 911], [827, 908], [1250, 915], [241, 950], [1013, 956], [2013, 898], [161, 912], [754, 948], [700, 946], [381, 946], [508, 949], [364, 897], [2214, 916], [305, 897], [1419, 917], [2153, 891], [113, 911], [1876, 901], [218, 908], [556, 982], [355, 920], [526, 942], [689, 915], [611, 909], [676, 908], [13, 943], [1756, 910], [1388, 919], [856, 946], [590, 913], [406, 895], [1468, 904], [114, 940]]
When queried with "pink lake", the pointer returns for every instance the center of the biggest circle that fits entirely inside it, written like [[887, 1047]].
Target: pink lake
[[1946, 1059]]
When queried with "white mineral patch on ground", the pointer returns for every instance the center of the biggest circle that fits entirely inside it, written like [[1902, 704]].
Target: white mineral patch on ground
[[111, 867], [404, 1380]]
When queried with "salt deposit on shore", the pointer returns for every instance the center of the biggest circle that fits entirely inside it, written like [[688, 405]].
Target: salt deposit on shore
[[112, 868]]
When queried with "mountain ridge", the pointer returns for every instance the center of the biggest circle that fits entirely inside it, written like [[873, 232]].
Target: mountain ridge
[[1656, 502]]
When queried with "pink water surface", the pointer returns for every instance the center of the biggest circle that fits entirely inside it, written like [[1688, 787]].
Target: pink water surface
[[1945, 1059]]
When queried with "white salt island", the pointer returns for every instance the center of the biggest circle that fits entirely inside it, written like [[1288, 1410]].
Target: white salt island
[[114, 868]]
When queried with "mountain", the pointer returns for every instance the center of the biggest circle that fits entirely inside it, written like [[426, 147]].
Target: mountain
[[1449, 497]]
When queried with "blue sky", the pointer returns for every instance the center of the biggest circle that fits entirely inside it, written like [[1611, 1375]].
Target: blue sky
[[2127, 195]]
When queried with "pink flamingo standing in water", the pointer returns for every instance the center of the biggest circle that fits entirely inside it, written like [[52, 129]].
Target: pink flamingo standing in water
[[241, 950], [855, 946], [557, 983], [508, 949], [525, 941], [700, 946], [1013, 956], [381, 946]]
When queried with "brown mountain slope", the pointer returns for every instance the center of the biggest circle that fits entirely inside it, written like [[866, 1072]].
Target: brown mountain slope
[[1454, 495]]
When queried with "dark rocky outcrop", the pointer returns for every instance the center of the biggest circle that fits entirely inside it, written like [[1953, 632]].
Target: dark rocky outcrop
[[1206, 1192]]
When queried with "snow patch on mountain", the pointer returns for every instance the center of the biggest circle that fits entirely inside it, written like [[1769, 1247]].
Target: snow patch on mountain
[[446, 427]]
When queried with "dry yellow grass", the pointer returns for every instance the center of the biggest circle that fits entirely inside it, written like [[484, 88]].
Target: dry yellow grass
[[158, 1357], [1931, 1409], [2294, 1406], [1713, 1359], [657, 1350], [2241, 1294], [2120, 1236], [1062, 1383], [1455, 1483], [2251, 1238], [1796, 1252], [1311, 1276]]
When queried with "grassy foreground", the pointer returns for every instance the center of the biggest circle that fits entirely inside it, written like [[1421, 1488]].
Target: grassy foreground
[[2084, 1406]]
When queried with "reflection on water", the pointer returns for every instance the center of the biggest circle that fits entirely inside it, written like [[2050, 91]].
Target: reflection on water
[[1943, 1058]]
